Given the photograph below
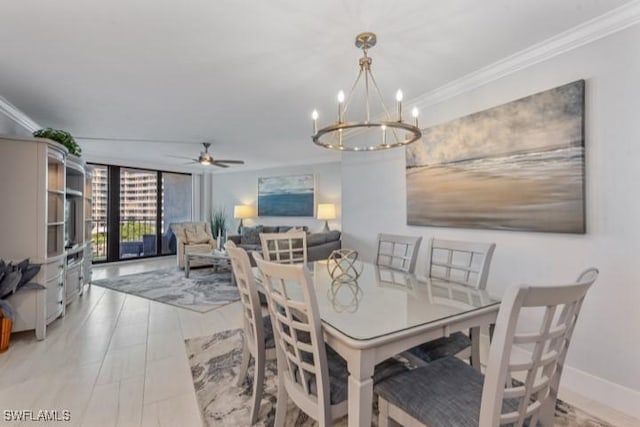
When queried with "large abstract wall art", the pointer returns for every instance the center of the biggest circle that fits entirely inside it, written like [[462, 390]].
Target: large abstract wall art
[[517, 166]]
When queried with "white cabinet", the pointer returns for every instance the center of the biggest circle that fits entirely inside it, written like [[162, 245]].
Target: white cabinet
[[32, 225], [30, 309], [73, 277], [45, 211], [55, 289], [74, 223]]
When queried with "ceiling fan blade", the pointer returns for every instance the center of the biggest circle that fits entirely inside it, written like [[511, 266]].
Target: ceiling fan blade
[[233, 162], [178, 157], [220, 165]]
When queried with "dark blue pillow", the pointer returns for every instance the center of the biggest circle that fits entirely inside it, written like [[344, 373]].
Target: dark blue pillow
[[250, 235]]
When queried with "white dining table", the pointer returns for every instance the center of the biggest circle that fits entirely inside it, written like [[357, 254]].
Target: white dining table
[[385, 312]]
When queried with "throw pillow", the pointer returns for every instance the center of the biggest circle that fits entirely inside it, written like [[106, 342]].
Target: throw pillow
[[195, 237], [250, 235], [316, 239], [201, 228]]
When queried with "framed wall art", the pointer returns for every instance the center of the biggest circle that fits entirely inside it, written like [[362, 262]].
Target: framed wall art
[[517, 166], [286, 195]]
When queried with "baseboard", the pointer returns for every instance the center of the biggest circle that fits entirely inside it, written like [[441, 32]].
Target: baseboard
[[610, 394], [588, 387]]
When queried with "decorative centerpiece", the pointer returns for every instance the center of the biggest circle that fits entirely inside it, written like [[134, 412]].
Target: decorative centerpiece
[[13, 278], [343, 265]]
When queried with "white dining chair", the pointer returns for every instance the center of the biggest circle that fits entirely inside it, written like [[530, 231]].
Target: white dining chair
[[465, 263], [398, 252], [310, 373], [259, 341], [449, 392], [285, 248]]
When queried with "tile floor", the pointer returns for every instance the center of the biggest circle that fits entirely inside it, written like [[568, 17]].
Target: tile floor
[[119, 360]]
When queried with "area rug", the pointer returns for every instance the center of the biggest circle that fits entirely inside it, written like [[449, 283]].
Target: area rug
[[215, 364], [203, 291]]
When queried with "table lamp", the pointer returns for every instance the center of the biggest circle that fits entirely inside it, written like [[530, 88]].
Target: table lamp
[[241, 212], [326, 211]]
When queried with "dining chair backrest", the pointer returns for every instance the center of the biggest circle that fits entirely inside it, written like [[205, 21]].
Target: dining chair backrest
[[246, 283], [466, 263], [285, 248], [540, 369], [302, 357], [398, 252]]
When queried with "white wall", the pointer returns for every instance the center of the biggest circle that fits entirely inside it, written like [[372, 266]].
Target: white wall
[[241, 188], [605, 353]]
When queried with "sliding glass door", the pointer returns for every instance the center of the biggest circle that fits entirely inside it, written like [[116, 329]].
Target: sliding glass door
[[99, 200], [139, 207], [138, 213]]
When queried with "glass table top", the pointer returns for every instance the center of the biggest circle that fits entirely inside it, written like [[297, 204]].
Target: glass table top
[[384, 301]]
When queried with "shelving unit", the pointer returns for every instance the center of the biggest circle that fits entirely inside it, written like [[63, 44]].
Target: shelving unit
[[88, 225], [45, 211], [75, 234], [32, 188], [55, 200]]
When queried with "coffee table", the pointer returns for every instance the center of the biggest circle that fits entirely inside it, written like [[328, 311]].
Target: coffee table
[[215, 258]]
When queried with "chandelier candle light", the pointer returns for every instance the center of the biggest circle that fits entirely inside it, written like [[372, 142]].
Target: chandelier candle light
[[402, 133]]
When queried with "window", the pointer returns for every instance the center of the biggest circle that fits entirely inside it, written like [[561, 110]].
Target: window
[[133, 211]]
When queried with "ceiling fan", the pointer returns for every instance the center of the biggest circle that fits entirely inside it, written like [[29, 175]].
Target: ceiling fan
[[205, 158]]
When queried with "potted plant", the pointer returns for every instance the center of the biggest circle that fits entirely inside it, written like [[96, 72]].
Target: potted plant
[[219, 226], [61, 136], [13, 278]]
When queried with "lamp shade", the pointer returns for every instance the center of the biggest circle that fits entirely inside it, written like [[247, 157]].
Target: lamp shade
[[326, 211], [243, 211]]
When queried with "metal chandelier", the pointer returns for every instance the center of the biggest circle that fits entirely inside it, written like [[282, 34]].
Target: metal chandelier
[[394, 132]]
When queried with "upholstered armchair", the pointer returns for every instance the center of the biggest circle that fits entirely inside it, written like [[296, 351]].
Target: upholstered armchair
[[192, 237]]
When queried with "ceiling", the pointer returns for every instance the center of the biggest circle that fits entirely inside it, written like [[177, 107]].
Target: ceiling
[[138, 81]]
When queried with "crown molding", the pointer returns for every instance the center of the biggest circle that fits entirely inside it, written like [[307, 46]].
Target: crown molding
[[9, 110], [595, 29]]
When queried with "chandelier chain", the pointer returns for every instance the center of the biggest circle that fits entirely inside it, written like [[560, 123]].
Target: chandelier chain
[[384, 106], [366, 91], [351, 92]]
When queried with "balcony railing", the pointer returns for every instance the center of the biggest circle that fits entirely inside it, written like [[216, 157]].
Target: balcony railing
[[137, 238]]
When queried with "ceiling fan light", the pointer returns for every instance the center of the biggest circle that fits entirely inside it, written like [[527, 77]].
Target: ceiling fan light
[[206, 159]]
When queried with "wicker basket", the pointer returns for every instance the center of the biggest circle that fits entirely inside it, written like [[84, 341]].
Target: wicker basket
[[5, 332]]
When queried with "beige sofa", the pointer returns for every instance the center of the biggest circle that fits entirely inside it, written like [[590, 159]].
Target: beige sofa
[[192, 237]]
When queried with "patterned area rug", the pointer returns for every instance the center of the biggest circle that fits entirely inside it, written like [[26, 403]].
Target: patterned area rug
[[215, 362], [203, 291]]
